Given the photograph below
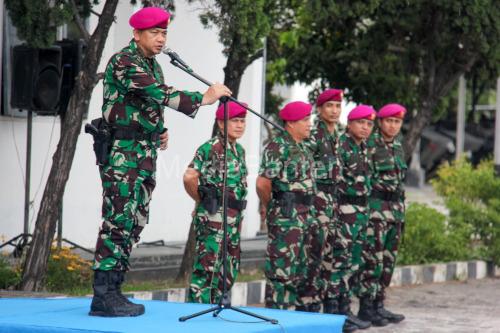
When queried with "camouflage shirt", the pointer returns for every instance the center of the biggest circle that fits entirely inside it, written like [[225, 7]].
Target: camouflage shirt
[[209, 162], [135, 93], [288, 165], [323, 146], [389, 165], [354, 179]]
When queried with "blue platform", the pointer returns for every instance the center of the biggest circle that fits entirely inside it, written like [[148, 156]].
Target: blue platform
[[71, 315]]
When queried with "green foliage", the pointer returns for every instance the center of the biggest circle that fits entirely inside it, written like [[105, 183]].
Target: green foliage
[[36, 21], [67, 272], [9, 276], [429, 238], [472, 196], [242, 24], [392, 50]]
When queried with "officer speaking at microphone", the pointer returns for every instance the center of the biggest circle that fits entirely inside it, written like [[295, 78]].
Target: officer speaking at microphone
[[131, 130]]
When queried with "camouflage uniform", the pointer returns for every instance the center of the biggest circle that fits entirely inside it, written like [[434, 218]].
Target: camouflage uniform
[[320, 236], [387, 211], [134, 97], [206, 280], [289, 166], [352, 207]]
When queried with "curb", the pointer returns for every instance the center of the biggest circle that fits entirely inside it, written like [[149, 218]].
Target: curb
[[249, 293]]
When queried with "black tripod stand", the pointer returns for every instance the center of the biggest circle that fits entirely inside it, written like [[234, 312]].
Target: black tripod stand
[[224, 301]]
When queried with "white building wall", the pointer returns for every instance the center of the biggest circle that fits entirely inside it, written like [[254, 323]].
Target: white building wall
[[170, 207]]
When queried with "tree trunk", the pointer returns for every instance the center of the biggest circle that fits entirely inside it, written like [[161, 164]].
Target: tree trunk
[[35, 265], [417, 125], [188, 257]]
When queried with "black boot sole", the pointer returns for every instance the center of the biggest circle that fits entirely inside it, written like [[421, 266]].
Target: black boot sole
[[107, 314], [394, 321]]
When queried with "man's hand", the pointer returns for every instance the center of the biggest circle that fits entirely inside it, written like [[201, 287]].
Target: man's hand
[[164, 140], [214, 93]]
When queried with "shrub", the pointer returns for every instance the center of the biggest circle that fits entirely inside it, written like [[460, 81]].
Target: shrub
[[428, 238], [9, 276], [67, 272], [472, 196]]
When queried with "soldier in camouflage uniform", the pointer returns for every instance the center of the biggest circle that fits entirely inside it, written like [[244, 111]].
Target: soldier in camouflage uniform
[[352, 208], [285, 188], [134, 97], [320, 236], [387, 211], [203, 181]]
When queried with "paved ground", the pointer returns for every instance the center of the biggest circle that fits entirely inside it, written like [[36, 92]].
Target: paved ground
[[458, 307]]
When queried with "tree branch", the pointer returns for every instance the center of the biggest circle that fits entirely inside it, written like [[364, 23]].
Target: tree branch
[[79, 22], [255, 56]]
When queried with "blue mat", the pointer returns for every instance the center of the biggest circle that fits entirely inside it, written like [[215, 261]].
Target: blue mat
[[71, 315]]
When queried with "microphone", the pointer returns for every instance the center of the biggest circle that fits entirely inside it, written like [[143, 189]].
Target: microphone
[[175, 57]]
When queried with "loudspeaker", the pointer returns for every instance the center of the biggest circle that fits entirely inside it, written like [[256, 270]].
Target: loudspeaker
[[72, 57], [36, 78]]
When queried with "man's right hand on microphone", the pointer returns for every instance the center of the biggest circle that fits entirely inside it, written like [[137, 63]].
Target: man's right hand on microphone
[[214, 93]]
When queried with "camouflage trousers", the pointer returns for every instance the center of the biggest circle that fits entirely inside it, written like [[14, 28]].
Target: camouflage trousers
[[125, 209], [285, 257], [318, 247], [350, 235], [206, 280], [381, 247]]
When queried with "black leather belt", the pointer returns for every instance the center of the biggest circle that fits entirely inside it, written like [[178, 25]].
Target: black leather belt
[[299, 197], [130, 134], [327, 188], [352, 200], [387, 195]]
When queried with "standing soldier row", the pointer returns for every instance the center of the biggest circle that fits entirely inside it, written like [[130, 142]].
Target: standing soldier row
[[334, 206], [343, 251]]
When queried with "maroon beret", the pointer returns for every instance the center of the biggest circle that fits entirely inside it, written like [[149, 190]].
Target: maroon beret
[[392, 110], [234, 110], [329, 95], [295, 111], [150, 17], [362, 112]]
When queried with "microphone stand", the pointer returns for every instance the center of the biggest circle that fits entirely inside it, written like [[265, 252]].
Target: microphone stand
[[224, 301]]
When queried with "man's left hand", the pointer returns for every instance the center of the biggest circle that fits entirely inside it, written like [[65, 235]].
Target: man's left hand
[[164, 140]]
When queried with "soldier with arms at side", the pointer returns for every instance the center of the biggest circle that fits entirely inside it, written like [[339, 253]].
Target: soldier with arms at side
[[285, 188], [387, 211], [320, 236], [352, 208], [203, 181]]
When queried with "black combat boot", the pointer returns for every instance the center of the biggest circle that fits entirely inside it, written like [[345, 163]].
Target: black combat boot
[[368, 313], [330, 305], [118, 277], [106, 302], [378, 305], [315, 307], [303, 308], [352, 322]]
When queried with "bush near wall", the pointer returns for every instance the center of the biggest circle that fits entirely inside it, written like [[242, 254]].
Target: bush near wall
[[472, 196], [9, 276], [429, 238], [67, 271]]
